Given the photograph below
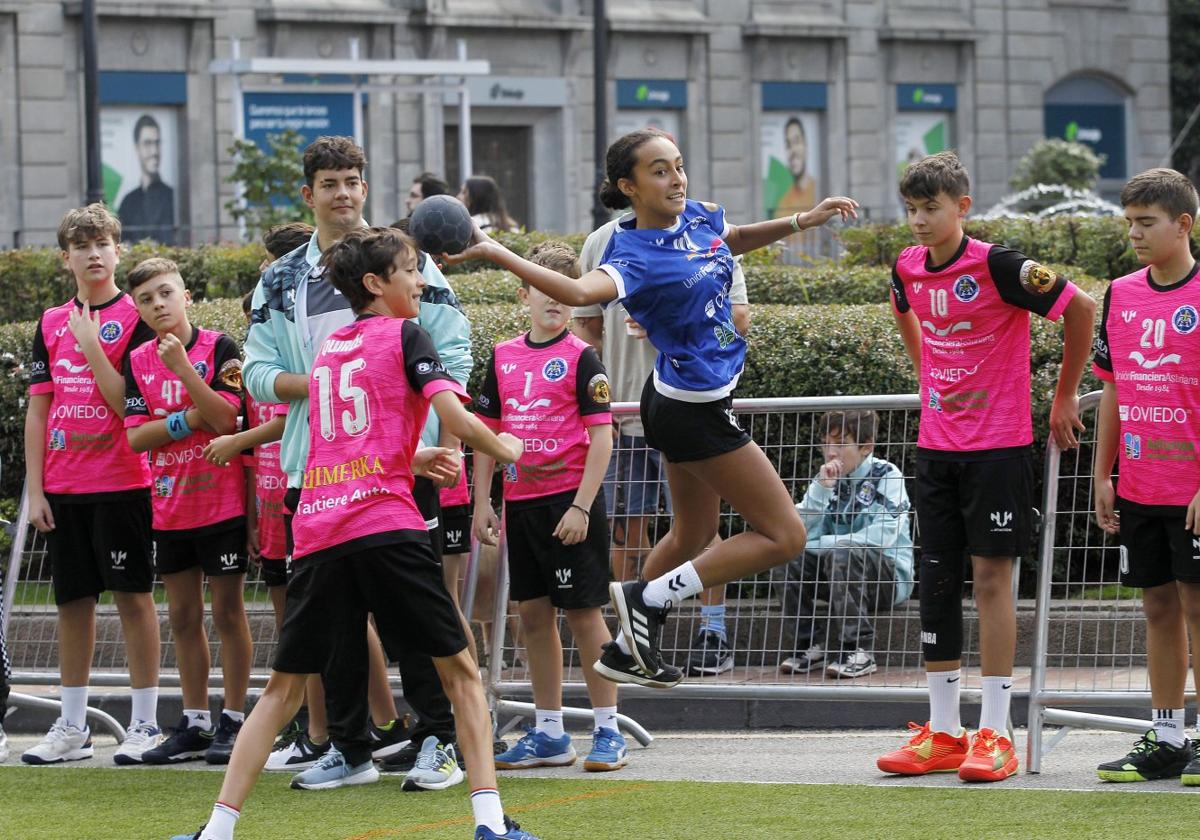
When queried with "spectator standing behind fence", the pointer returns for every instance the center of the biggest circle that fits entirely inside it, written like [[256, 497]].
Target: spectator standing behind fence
[[962, 307], [485, 202], [1156, 505], [426, 185], [87, 491], [859, 548], [635, 478], [181, 392]]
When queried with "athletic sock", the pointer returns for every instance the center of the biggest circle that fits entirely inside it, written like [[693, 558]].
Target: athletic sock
[[943, 701], [199, 717], [712, 619], [485, 805], [221, 822], [145, 705], [236, 717], [997, 692], [675, 586], [622, 644], [606, 717], [550, 721], [1168, 726], [74, 705]]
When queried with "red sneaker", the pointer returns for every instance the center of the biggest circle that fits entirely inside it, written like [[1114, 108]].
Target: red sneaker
[[992, 758], [926, 752]]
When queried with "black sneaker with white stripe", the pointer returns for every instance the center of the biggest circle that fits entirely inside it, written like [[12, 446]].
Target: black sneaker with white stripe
[[640, 623], [622, 668]]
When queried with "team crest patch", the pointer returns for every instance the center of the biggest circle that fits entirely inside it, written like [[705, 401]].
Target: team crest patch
[[201, 368], [110, 331], [555, 369], [231, 374], [1133, 446], [935, 400], [164, 486], [57, 441], [865, 494], [510, 473], [598, 389], [1037, 278], [1184, 320], [966, 288]]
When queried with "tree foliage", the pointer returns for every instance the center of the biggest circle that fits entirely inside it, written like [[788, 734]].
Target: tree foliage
[[1056, 161], [270, 183]]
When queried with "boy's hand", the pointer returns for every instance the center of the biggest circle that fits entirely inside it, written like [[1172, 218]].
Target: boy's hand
[[573, 527], [478, 249], [830, 472], [1192, 523], [220, 451], [40, 515], [84, 325], [173, 355], [1106, 515], [514, 445], [839, 205], [451, 480], [1065, 422], [485, 526], [437, 463]]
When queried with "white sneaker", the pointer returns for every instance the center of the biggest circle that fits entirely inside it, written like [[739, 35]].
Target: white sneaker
[[64, 742], [3, 746], [139, 737]]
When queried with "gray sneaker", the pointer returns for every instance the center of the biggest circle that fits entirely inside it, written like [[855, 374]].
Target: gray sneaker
[[332, 771], [436, 768], [802, 663], [852, 665], [3, 746]]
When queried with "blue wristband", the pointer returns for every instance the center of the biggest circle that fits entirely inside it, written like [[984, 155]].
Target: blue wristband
[[177, 425]]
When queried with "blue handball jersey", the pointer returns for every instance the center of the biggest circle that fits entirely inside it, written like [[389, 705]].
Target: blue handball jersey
[[675, 283]]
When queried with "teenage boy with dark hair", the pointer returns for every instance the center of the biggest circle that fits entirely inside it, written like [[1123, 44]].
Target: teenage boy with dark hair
[[1149, 339], [963, 307], [87, 491]]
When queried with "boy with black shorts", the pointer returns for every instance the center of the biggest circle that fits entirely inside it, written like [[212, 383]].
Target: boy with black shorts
[[180, 392], [87, 491], [361, 545], [1146, 356], [963, 307], [549, 388]]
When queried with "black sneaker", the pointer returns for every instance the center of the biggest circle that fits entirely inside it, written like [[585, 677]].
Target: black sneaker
[[223, 739], [298, 754], [1191, 774], [710, 655], [1149, 759], [385, 742], [622, 668], [640, 624], [185, 743], [402, 760], [289, 734]]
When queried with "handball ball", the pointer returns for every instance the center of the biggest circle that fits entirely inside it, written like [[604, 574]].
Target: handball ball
[[441, 224]]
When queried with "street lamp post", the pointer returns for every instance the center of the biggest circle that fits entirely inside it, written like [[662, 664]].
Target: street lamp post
[[91, 103], [600, 213]]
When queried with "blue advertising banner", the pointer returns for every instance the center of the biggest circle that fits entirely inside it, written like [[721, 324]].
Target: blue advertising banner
[[917, 97], [1100, 126], [652, 93], [309, 114], [790, 96]]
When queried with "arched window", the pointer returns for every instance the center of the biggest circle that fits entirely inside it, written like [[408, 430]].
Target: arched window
[[1092, 110]]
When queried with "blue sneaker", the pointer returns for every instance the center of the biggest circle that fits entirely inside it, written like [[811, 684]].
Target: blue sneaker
[[332, 771], [608, 751], [537, 749], [512, 832], [195, 836]]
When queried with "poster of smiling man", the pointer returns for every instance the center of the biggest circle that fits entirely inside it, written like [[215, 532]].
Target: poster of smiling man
[[140, 161]]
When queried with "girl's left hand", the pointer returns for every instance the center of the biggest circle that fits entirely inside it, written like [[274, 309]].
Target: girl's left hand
[[477, 249]]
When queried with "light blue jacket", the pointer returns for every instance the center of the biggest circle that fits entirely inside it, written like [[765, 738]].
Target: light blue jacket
[[278, 341], [867, 508]]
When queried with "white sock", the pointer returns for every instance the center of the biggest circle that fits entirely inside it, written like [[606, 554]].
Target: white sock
[[221, 822], [145, 705], [622, 644], [997, 692], [485, 805], [606, 717], [943, 701], [1168, 726], [74, 705], [675, 586], [550, 721], [199, 717], [236, 717]]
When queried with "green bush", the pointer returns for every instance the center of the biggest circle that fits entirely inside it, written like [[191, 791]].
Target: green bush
[[1053, 160]]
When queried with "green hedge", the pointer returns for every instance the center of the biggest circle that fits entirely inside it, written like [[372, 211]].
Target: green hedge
[[1096, 245]]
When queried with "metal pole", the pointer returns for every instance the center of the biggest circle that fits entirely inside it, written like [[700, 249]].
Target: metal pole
[[91, 103], [600, 214], [466, 166]]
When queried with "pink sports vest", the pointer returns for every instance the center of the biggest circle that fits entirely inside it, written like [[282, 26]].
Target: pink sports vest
[[270, 483], [86, 448]]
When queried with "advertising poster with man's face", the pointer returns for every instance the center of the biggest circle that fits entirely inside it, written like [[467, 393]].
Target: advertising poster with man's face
[[920, 133], [791, 162], [139, 152]]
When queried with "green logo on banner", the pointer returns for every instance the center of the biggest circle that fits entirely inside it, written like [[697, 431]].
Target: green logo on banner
[[1072, 131], [918, 95], [643, 93]]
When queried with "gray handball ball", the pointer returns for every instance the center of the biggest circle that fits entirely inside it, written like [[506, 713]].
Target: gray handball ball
[[441, 224]]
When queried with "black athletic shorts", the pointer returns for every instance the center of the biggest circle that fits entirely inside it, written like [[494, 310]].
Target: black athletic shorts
[[328, 602], [456, 529], [217, 554], [291, 501], [539, 565], [1155, 547], [429, 503], [688, 431], [100, 545], [982, 507], [275, 572]]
